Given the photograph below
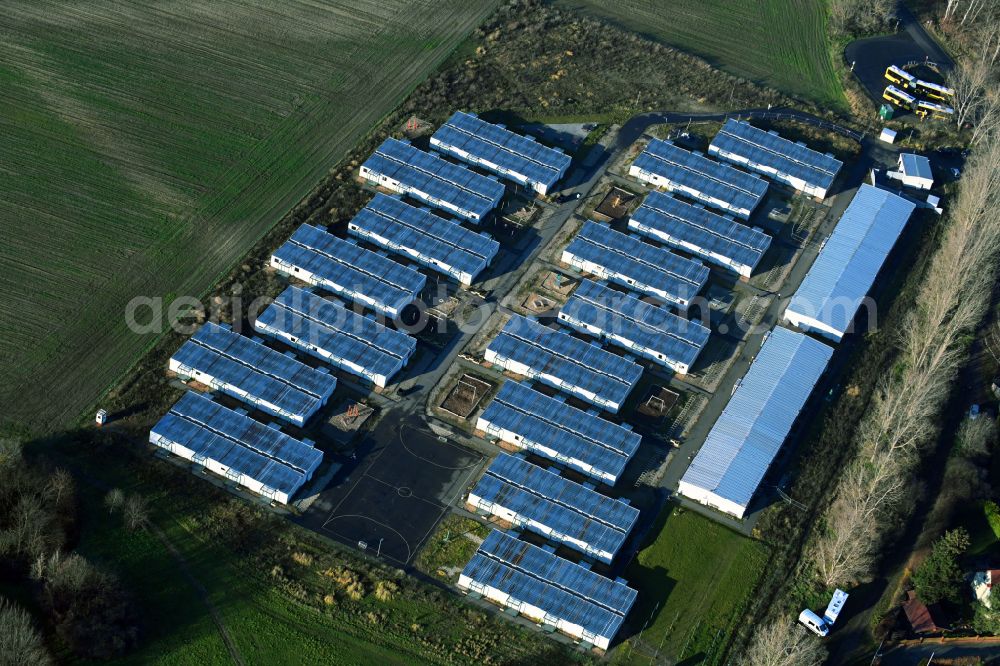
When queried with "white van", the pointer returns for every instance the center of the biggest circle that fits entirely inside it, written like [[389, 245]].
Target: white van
[[814, 623]]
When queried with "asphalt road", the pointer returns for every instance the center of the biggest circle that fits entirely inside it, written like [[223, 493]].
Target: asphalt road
[[871, 56]]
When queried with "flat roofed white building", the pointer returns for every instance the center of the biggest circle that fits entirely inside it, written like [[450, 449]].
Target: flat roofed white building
[[548, 427], [398, 166], [627, 260], [662, 164], [337, 335], [767, 153], [416, 233], [266, 379], [641, 328], [720, 240], [548, 589], [729, 467], [913, 171], [838, 282], [232, 445], [505, 153]]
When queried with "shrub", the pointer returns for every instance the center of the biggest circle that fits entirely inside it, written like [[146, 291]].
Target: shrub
[[992, 512], [385, 590]]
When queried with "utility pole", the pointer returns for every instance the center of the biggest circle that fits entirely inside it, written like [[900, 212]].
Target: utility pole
[[379, 551]]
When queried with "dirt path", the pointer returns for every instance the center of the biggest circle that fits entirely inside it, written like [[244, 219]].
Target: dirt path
[[200, 591]]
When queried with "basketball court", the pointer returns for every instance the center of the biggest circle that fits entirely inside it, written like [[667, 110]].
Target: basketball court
[[390, 501]]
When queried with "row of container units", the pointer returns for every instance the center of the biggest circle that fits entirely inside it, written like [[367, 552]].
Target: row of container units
[[495, 148], [439, 244], [353, 273], [348, 340], [557, 359], [536, 499], [398, 166], [235, 447], [641, 328], [837, 284], [728, 469], [246, 369], [599, 250], [664, 165], [707, 235], [789, 162], [546, 426], [550, 590]]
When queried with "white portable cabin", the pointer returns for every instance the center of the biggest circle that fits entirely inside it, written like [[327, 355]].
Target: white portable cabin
[[913, 171]]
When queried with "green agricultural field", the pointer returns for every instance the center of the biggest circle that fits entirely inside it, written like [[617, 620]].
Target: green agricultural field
[[781, 43], [147, 146], [694, 579]]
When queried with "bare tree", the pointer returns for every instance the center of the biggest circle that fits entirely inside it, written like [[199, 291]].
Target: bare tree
[[969, 80], [784, 643], [903, 416], [20, 642], [60, 486], [134, 512], [861, 16], [114, 500]]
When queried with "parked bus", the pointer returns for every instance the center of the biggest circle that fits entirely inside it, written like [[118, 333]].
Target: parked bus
[[900, 76], [895, 96], [934, 91], [939, 111]]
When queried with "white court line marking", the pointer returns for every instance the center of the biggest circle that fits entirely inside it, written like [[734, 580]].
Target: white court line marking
[[428, 460], [461, 491], [409, 551]]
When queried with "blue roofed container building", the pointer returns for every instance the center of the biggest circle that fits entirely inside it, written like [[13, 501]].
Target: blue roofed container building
[[418, 234], [599, 250], [347, 340], [767, 153], [348, 270], [548, 589], [398, 166], [522, 418], [832, 292], [557, 359], [744, 441], [664, 165], [533, 498], [641, 328], [235, 447], [503, 152], [261, 377], [707, 235]]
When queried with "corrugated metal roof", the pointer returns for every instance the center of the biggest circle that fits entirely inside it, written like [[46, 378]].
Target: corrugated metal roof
[[573, 361], [436, 177], [607, 447], [560, 504], [749, 433], [514, 152], [643, 324], [561, 588], [713, 179], [434, 238], [345, 334], [630, 257], [261, 373], [846, 267], [743, 139]]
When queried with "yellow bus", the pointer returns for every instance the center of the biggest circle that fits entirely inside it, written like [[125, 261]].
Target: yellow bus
[[898, 98], [934, 91], [900, 76], [939, 111]]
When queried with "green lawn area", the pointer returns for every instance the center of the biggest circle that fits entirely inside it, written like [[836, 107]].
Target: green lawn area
[[694, 580], [782, 43], [450, 546], [277, 588]]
